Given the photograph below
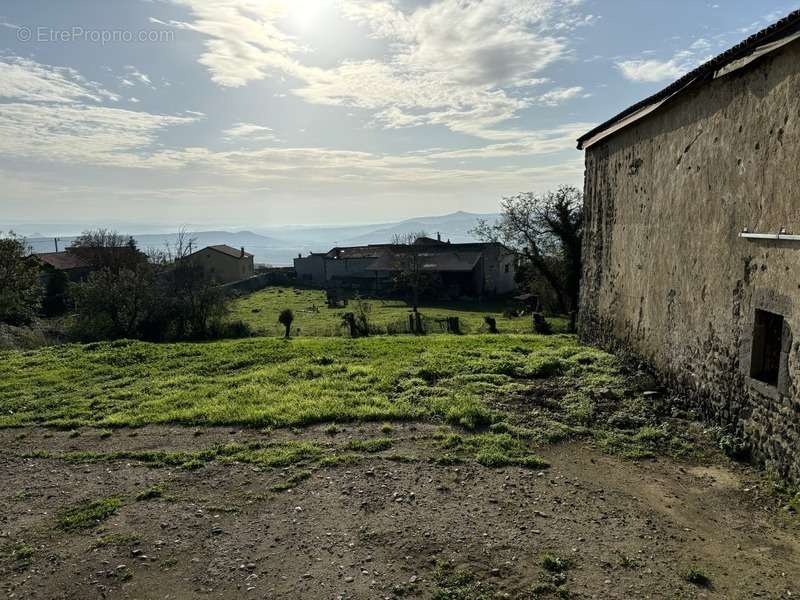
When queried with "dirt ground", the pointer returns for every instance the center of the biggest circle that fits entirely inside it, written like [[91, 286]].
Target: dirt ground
[[378, 529]]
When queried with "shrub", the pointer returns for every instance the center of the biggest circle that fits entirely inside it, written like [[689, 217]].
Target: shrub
[[19, 282], [554, 563], [697, 577], [286, 318]]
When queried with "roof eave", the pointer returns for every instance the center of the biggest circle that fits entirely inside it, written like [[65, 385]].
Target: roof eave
[[784, 28]]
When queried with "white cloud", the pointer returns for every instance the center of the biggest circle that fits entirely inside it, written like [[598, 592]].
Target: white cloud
[[546, 141], [134, 74], [95, 135], [450, 62], [250, 131], [558, 96], [655, 70], [26, 80]]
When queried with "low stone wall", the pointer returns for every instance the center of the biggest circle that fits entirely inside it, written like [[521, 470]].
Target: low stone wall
[[261, 281]]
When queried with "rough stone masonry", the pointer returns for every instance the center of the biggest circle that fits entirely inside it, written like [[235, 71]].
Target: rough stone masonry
[[667, 271]]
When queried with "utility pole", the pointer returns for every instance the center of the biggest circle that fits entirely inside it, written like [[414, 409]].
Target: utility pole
[[56, 240]]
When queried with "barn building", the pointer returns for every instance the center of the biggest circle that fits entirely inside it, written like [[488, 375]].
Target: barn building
[[692, 239]]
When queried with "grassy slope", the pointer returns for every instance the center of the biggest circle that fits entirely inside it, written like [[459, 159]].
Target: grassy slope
[[272, 382], [327, 322]]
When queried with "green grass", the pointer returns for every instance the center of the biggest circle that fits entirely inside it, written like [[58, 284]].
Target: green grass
[[375, 445], [554, 563], [507, 394], [459, 584], [88, 514], [275, 383], [313, 318]]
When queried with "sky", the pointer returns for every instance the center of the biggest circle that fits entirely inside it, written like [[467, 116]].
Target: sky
[[255, 113]]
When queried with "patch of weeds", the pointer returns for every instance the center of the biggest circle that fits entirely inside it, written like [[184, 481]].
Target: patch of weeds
[[272, 455], [452, 441], [22, 555], [447, 459], [554, 563], [168, 563], [547, 589], [87, 515], [21, 436], [697, 577], [458, 584], [74, 433], [471, 416], [331, 429], [501, 450], [192, 465], [636, 445], [151, 493], [292, 482], [516, 431], [626, 562], [387, 428], [375, 445], [122, 573], [117, 539], [105, 434], [23, 495], [36, 454], [340, 460], [734, 447]]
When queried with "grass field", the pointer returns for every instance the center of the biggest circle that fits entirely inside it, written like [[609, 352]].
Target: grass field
[[272, 382], [538, 388], [313, 319]]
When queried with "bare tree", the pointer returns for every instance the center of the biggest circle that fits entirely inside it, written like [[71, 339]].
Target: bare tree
[[107, 249], [183, 246], [173, 252], [407, 264], [546, 230]]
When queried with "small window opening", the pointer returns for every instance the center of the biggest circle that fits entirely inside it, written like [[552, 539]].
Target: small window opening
[[765, 364]]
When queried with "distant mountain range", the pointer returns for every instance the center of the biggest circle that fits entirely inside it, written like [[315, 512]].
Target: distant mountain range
[[280, 245]]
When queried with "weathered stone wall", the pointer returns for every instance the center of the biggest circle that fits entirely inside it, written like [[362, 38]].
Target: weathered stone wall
[[666, 273]]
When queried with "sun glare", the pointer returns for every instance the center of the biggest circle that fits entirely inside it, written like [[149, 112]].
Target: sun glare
[[305, 14]]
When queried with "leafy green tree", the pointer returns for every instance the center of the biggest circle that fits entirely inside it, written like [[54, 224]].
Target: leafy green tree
[[546, 232], [113, 305], [20, 286]]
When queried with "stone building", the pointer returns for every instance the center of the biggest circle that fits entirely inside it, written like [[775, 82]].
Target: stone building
[[692, 252], [223, 264], [472, 269]]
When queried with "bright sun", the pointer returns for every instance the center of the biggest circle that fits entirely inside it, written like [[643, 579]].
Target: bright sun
[[305, 14]]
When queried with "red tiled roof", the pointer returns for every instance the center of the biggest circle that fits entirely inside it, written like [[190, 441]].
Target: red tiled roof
[[224, 249], [62, 261]]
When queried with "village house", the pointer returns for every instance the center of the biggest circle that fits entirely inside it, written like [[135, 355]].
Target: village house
[[692, 239], [472, 269], [74, 268], [223, 264]]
